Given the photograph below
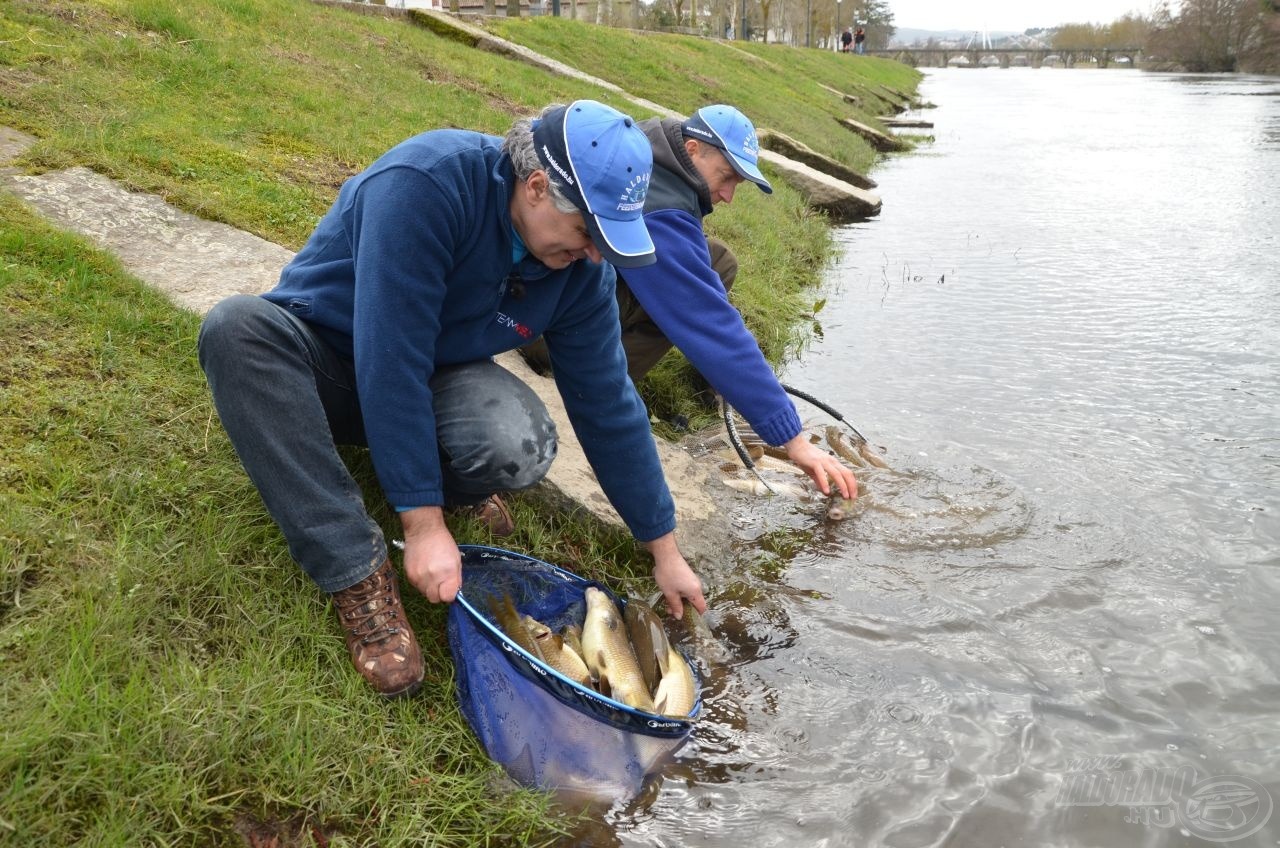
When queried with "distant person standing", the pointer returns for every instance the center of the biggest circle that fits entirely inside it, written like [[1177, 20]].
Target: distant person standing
[[859, 41], [846, 38]]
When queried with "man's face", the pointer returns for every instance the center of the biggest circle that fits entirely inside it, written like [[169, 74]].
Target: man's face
[[715, 169], [555, 238]]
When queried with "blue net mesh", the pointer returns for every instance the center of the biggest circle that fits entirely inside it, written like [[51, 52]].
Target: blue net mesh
[[546, 730]]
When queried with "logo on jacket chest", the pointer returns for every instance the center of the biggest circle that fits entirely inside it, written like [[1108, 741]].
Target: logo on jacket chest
[[507, 321]]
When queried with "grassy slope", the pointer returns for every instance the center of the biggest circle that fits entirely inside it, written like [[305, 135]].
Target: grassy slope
[[164, 668], [779, 87]]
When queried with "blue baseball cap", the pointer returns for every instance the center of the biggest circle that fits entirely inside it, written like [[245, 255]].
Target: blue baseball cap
[[728, 129], [602, 162]]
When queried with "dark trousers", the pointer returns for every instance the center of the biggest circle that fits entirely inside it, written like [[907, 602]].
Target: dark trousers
[[287, 399]]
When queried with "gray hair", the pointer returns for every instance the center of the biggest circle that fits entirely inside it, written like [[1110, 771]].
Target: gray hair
[[524, 159]]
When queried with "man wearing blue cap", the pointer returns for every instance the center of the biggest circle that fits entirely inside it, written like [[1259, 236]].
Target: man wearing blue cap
[[682, 298], [450, 248]]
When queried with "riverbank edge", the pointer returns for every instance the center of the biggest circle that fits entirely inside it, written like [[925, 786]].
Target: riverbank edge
[[299, 625], [153, 240]]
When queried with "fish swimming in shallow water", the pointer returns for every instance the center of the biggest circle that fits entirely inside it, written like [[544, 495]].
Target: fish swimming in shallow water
[[607, 651], [842, 448], [706, 646], [865, 451], [755, 486], [840, 509]]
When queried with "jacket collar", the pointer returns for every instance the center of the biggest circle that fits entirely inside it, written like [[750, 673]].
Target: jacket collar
[[667, 141]]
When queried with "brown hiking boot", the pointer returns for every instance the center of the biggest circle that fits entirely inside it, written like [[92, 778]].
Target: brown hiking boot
[[493, 513], [379, 638]]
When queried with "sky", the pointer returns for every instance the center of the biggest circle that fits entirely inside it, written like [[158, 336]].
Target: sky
[[1003, 15]]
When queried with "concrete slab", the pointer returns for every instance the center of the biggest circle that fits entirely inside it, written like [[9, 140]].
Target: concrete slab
[[13, 144], [194, 261], [880, 141], [841, 201], [786, 146]]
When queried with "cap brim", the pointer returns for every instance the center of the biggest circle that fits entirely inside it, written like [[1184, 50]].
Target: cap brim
[[751, 172], [622, 243]]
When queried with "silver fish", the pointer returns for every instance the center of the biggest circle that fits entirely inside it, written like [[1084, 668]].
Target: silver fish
[[608, 654]]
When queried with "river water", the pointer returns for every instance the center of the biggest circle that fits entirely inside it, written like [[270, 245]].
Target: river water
[[1055, 621]]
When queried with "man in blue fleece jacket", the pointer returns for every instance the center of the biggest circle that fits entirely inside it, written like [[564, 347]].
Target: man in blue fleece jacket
[[682, 297], [450, 248]]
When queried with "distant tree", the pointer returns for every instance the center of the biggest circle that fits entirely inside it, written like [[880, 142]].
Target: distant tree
[[877, 19], [1263, 55], [1077, 37], [513, 8], [1211, 35], [726, 13], [766, 6], [1130, 31], [733, 14], [657, 16]]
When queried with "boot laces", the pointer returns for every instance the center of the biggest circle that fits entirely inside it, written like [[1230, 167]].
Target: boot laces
[[370, 609]]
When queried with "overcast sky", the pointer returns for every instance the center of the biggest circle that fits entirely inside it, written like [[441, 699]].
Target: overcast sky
[[1009, 14]]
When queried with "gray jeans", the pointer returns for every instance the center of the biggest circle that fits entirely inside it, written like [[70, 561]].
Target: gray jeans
[[287, 399]]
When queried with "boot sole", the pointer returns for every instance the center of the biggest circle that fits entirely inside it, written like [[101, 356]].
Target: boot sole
[[407, 692]]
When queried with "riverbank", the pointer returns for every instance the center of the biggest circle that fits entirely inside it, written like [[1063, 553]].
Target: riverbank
[[139, 567]]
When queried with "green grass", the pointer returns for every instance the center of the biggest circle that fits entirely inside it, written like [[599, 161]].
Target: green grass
[[778, 87], [166, 667], [253, 112], [166, 672], [249, 112]]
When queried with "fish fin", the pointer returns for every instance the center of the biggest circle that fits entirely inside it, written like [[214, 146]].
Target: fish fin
[[603, 687], [663, 657]]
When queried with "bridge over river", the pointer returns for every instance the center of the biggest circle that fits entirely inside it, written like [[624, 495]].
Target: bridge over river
[[1007, 57]]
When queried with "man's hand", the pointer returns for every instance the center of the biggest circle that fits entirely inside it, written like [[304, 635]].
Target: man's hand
[[822, 467], [674, 577], [432, 561]]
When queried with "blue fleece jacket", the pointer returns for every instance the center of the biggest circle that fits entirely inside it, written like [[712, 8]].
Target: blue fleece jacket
[[411, 269], [684, 296]]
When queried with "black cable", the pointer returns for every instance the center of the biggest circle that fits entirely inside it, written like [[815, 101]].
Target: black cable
[[734, 438], [736, 441], [827, 409]]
